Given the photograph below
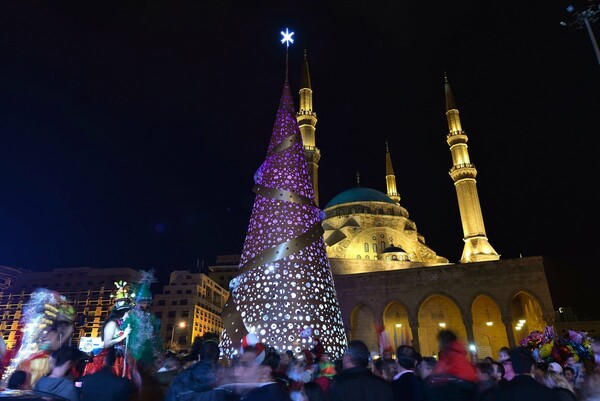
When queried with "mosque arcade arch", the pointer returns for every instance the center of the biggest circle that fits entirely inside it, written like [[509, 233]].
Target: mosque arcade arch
[[489, 331], [438, 312]]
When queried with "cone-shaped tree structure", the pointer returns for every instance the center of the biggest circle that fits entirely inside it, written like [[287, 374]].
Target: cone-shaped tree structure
[[284, 292]]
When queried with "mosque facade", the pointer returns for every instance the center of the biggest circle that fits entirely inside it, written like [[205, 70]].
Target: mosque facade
[[394, 289]]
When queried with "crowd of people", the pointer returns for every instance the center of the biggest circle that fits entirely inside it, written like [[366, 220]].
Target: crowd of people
[[262, 373], [132, 365]]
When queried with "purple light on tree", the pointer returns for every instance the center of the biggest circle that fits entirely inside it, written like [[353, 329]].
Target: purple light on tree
[[284, 293]]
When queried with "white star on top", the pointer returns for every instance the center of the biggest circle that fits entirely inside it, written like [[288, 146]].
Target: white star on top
[[287, 37]]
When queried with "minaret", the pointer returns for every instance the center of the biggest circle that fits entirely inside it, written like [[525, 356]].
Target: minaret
[[390, 178], [284, 292], [463, 173], [307, 121]]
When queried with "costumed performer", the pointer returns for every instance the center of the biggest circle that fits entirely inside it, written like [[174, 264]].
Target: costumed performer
[[115, 333], [145, 342], [47, 323]]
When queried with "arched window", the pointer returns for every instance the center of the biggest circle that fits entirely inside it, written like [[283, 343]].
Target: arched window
[[367, 257], [366, 247], [387, 258], [357, 256], [374, 247], [382, 245], [394, 257]]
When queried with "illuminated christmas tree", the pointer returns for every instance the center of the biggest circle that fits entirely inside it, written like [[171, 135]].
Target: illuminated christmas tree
[[284, 292]]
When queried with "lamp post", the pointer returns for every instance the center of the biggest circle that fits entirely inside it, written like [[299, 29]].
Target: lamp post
[[583, 18], [181, 325]]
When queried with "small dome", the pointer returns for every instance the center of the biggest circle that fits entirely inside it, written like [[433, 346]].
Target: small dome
[[359, 194], [393, 248]]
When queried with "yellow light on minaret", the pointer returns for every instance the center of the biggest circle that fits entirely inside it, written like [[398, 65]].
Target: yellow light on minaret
[[307, 122], [463, 173], [390, 177]]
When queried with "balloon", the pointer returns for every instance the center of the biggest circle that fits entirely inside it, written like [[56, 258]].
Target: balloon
[[577, 336], [556, 354], [546, 349]]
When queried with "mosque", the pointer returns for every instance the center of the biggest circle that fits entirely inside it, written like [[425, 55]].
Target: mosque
[[393, 288]]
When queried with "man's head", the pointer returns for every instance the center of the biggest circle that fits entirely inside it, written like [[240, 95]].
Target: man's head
[[425, 367], [18, 380], [62, 360], [209, 351], [253, 366], [445, 339], [504, 354], [484, 371], [498, 371], [522, 360], [357, 355], [144, 305], [569, 373], [406, 358]]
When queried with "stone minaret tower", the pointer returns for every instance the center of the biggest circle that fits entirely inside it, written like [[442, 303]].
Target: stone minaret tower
[[390, 178], [463, 173], [307, 121]]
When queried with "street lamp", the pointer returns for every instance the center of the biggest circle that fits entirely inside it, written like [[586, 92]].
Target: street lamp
[[181, 325], [583, 18]]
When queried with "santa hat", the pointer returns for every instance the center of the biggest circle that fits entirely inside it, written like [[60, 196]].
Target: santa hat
[[250, 340]]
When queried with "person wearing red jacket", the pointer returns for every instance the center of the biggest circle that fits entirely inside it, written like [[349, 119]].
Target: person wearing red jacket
[[453, 377]]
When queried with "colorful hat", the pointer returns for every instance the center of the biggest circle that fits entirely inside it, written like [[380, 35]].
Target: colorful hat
[[64, 311], [143, 293], [122, 297]]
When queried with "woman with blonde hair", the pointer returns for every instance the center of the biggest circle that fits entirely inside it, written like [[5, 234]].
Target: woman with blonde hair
[[557, 382]]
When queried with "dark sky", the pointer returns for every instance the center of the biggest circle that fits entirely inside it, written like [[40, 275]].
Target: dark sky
[[130, 131]]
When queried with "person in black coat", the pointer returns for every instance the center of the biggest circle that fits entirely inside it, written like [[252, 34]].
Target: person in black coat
[[104, 385], [356, 382], [523, 387], [198, 378], [407, 386]]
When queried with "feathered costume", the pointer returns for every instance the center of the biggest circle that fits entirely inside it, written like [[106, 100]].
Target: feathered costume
[[41, 315]]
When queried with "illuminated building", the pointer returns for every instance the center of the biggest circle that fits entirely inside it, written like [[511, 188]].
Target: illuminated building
[[387, 278], [7, 275], [225, 268], [190, 305]]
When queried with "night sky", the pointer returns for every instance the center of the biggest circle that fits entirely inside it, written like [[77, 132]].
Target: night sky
[[130, 131]]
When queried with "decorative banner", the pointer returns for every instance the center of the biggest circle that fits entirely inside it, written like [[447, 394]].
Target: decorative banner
[[285, 287], [91, 345]]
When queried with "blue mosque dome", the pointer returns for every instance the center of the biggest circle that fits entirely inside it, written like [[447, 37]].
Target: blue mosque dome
[[359, 194]]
